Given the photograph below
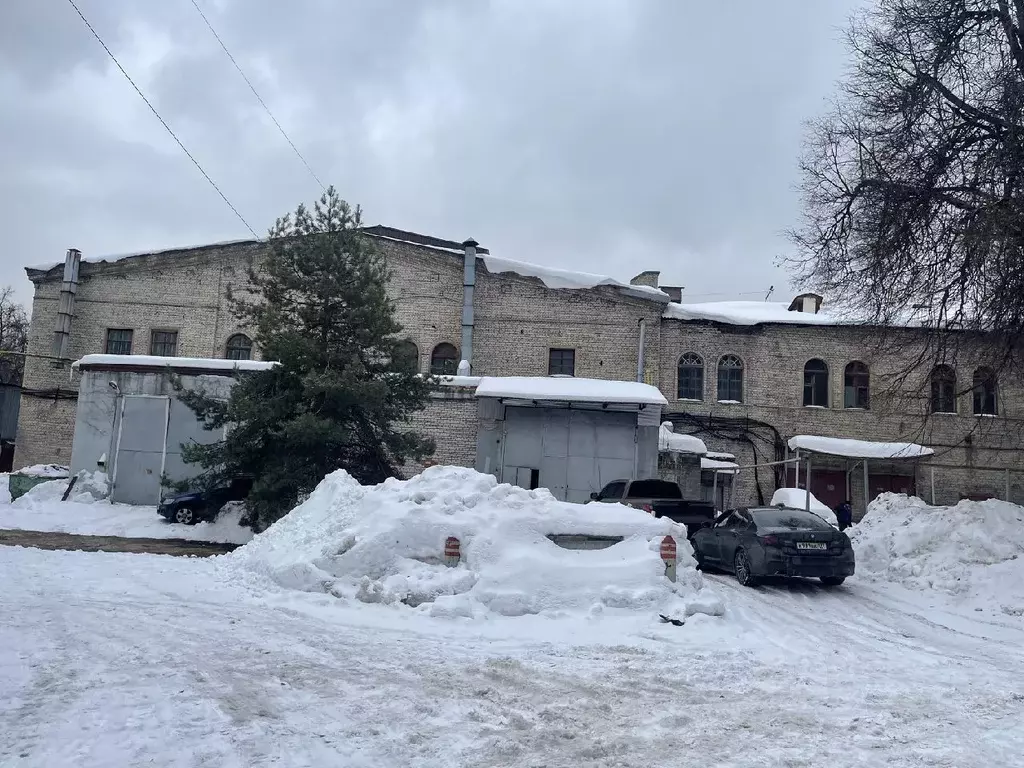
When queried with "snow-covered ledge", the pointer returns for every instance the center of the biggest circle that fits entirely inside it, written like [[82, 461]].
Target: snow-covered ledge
[[670, 442]]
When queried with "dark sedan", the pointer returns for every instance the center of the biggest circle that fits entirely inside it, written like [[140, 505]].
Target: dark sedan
[[197, 506], [775, 541]]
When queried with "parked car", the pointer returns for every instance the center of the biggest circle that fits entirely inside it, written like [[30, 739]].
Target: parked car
[[775, 541], [196, 506], [661, 498]]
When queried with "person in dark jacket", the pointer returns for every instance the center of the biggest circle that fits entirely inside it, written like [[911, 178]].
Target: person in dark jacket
[[844, 515]]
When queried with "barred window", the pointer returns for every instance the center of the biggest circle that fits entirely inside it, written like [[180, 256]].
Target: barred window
[[690, 377], [163, 343], [562, 362], [857, 386], [816, 383], [730, 379], [444, 360], [239, 347], [985, 403], [407, 357], [943, 389], [119, 341]]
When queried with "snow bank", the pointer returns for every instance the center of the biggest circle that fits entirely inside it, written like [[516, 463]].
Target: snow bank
[[45, 470], [796, 498], [670, 442], [87, 512], [384, 544], [974, 549]]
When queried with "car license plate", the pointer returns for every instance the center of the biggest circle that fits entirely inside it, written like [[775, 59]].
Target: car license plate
[[811, 545]]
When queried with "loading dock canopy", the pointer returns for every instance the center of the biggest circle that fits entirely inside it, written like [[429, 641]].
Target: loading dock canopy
[[568, 389], [858, 449]]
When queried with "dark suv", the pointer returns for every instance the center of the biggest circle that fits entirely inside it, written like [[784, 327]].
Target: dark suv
[[196, 506]]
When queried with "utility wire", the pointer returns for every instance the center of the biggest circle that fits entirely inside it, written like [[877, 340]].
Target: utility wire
[[162, 121], [258, 97]]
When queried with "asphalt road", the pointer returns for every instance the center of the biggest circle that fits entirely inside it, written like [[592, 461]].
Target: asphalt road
[[78, 542]]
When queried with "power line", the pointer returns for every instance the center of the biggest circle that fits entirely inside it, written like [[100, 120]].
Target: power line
[[162, 121], [258, 97]]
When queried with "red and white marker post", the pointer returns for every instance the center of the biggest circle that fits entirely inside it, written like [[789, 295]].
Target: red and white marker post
[[452, 552], [668, 554]]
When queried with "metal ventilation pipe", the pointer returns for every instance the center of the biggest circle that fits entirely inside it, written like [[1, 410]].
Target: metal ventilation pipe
[[66, 306], [640, 350], [468, 284]]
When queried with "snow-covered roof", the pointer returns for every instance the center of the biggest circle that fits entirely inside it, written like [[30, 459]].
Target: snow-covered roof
[[724, 467], [177, 363], [670, 442], [720, 456], [748, 313], [858, 449], [569, 389], [458, 381], [564, 278], [112, 258]]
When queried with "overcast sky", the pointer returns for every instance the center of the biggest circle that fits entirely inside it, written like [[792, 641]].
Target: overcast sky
[[608, 136]]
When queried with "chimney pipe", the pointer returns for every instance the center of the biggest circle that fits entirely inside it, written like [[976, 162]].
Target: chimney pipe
[[66, 307], [468, 284]]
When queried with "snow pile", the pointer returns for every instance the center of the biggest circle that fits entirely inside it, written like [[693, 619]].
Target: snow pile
[[44, 470], [88, 513], [974, 549], [384, 544], [796, 498], [89, 487], [670, 442]]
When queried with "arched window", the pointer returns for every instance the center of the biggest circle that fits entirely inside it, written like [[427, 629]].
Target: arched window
[[816, 383], [730, 379], [943, 389], [407, 357], [239, 347], [985, 403], [444, 360], [857, 386], [691, 377]]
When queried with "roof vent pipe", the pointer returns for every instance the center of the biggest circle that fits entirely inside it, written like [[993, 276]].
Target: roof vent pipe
[[66, 307], [468, 284]]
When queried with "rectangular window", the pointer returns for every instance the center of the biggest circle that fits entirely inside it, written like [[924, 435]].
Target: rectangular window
[[562, 362], [163, 343], [119, 341]]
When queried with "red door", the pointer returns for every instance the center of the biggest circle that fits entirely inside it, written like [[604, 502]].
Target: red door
[[827, 485], [878, 484]]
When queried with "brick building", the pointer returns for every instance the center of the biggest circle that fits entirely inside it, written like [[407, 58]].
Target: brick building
[[780, 372]]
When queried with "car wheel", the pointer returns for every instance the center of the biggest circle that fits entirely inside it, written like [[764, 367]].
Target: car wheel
[[744, 575], [832, 581], [699, 559], [185, 516]]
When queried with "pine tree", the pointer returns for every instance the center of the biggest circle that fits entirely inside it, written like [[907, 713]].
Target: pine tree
[[342, 392]]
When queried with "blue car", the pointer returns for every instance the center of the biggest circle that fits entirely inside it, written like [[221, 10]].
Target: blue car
[[197, 506]]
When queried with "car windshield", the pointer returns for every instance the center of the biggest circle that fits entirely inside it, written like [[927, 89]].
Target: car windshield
[[789, 518], [654, 489]]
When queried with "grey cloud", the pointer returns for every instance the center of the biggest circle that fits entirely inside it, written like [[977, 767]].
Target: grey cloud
[[602, 136]]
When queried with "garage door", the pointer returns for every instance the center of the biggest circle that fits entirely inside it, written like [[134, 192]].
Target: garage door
[[572, 453]]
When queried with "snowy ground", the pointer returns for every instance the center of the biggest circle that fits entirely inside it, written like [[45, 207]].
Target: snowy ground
[[112, 660], [42, 510], [305, 648]]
